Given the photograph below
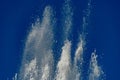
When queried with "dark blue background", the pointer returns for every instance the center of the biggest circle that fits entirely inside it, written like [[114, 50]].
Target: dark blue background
[[16, 17]]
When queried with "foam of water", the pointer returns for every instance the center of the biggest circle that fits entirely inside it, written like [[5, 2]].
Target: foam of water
[[38, 60]]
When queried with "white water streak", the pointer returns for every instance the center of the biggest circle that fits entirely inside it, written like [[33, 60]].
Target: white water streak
[[78, 59], [63, 71], [64, 65], [86, 17], [67, 17], [79, 52]]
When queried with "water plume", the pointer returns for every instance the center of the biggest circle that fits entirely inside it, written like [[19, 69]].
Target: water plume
[[38, 57], [38, 60], [95, 71], [64, 65]]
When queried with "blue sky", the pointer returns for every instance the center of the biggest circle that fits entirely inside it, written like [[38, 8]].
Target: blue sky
[[16, 17]]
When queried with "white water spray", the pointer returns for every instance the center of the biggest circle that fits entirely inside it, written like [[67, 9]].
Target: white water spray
[[67, 18], [64, 69], [38, 61], [95, 70], [78, 59], [64, 65], [38, 57]]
